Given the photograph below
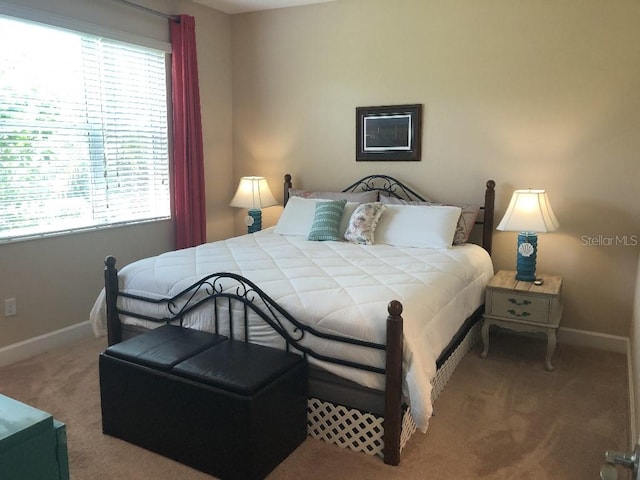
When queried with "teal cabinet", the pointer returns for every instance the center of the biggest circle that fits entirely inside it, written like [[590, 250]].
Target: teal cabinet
[[33, 446]]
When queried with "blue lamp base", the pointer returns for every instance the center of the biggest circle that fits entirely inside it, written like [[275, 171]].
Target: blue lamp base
[[527, 253], [254, 220]]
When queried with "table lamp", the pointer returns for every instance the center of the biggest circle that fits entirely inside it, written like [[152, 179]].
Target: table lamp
[[529, 212], [253, 193]]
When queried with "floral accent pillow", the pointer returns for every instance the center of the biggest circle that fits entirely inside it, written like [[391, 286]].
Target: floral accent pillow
[[363, 222]]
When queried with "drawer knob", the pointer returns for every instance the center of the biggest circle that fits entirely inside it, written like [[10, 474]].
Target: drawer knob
[[515, 314], [515, 302]]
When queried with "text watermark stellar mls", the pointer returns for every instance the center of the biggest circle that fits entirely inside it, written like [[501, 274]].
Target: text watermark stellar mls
[[609, 240]]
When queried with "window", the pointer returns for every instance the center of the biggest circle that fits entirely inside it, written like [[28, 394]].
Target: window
[[83, 132]]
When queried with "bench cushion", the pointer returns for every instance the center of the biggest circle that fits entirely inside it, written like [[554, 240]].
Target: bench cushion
[[237, 366], [164, 347]]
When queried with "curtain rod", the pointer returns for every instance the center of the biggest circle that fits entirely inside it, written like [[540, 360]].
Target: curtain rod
[[175, 18]]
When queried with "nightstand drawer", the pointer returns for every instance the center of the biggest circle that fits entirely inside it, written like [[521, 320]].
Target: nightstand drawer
[[521, 307]]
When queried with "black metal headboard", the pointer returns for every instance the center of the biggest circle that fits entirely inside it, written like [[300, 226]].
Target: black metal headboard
[[387, 185]]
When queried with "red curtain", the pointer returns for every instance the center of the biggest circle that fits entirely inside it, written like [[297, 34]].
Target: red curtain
[[188, 155]]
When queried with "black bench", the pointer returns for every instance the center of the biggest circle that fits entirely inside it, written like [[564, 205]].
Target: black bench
[[226, 407]]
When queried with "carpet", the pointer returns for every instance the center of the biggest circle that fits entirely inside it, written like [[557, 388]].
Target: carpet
[[503, 417]]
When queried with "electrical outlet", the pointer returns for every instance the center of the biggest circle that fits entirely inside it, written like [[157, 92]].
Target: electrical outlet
[[10, 307]]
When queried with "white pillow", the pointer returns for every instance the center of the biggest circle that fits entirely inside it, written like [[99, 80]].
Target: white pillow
[[297, 216], [418, 226]]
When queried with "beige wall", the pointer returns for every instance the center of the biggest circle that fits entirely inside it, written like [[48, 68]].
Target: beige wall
[[56, 281], [531, 94]]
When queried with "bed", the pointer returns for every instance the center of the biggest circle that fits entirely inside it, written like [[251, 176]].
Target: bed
[[382, 318]]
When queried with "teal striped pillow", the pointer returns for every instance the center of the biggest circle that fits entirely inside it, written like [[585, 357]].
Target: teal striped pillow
[[326, 222]]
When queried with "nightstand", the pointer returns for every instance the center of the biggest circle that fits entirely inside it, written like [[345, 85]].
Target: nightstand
[[523, 307]]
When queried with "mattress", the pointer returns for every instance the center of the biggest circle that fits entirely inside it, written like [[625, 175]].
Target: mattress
[[336, 287]]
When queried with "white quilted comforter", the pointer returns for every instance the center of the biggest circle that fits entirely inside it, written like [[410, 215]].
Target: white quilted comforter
[[337, 287]]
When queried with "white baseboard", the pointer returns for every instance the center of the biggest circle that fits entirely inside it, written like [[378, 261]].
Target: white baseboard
[[36, 345], [599, 341]]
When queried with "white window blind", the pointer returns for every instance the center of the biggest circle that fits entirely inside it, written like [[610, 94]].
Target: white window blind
[[83, 132]]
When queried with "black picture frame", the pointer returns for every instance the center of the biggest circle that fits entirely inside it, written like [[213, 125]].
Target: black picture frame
[[389, 133]]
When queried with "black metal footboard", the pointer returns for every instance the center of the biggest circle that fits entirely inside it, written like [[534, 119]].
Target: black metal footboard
[[234, 300]]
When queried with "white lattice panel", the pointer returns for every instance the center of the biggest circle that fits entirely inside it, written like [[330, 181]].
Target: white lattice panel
[[409, 427], [346, 427], [363, 432]]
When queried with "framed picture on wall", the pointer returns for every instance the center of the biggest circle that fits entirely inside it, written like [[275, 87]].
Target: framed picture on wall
[[392, 132]]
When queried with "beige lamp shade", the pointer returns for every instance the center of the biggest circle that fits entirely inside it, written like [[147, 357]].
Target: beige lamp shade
[[253, 193], [529, 211]]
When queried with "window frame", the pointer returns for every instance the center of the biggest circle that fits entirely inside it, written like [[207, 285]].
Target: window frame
[[28, 15]]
